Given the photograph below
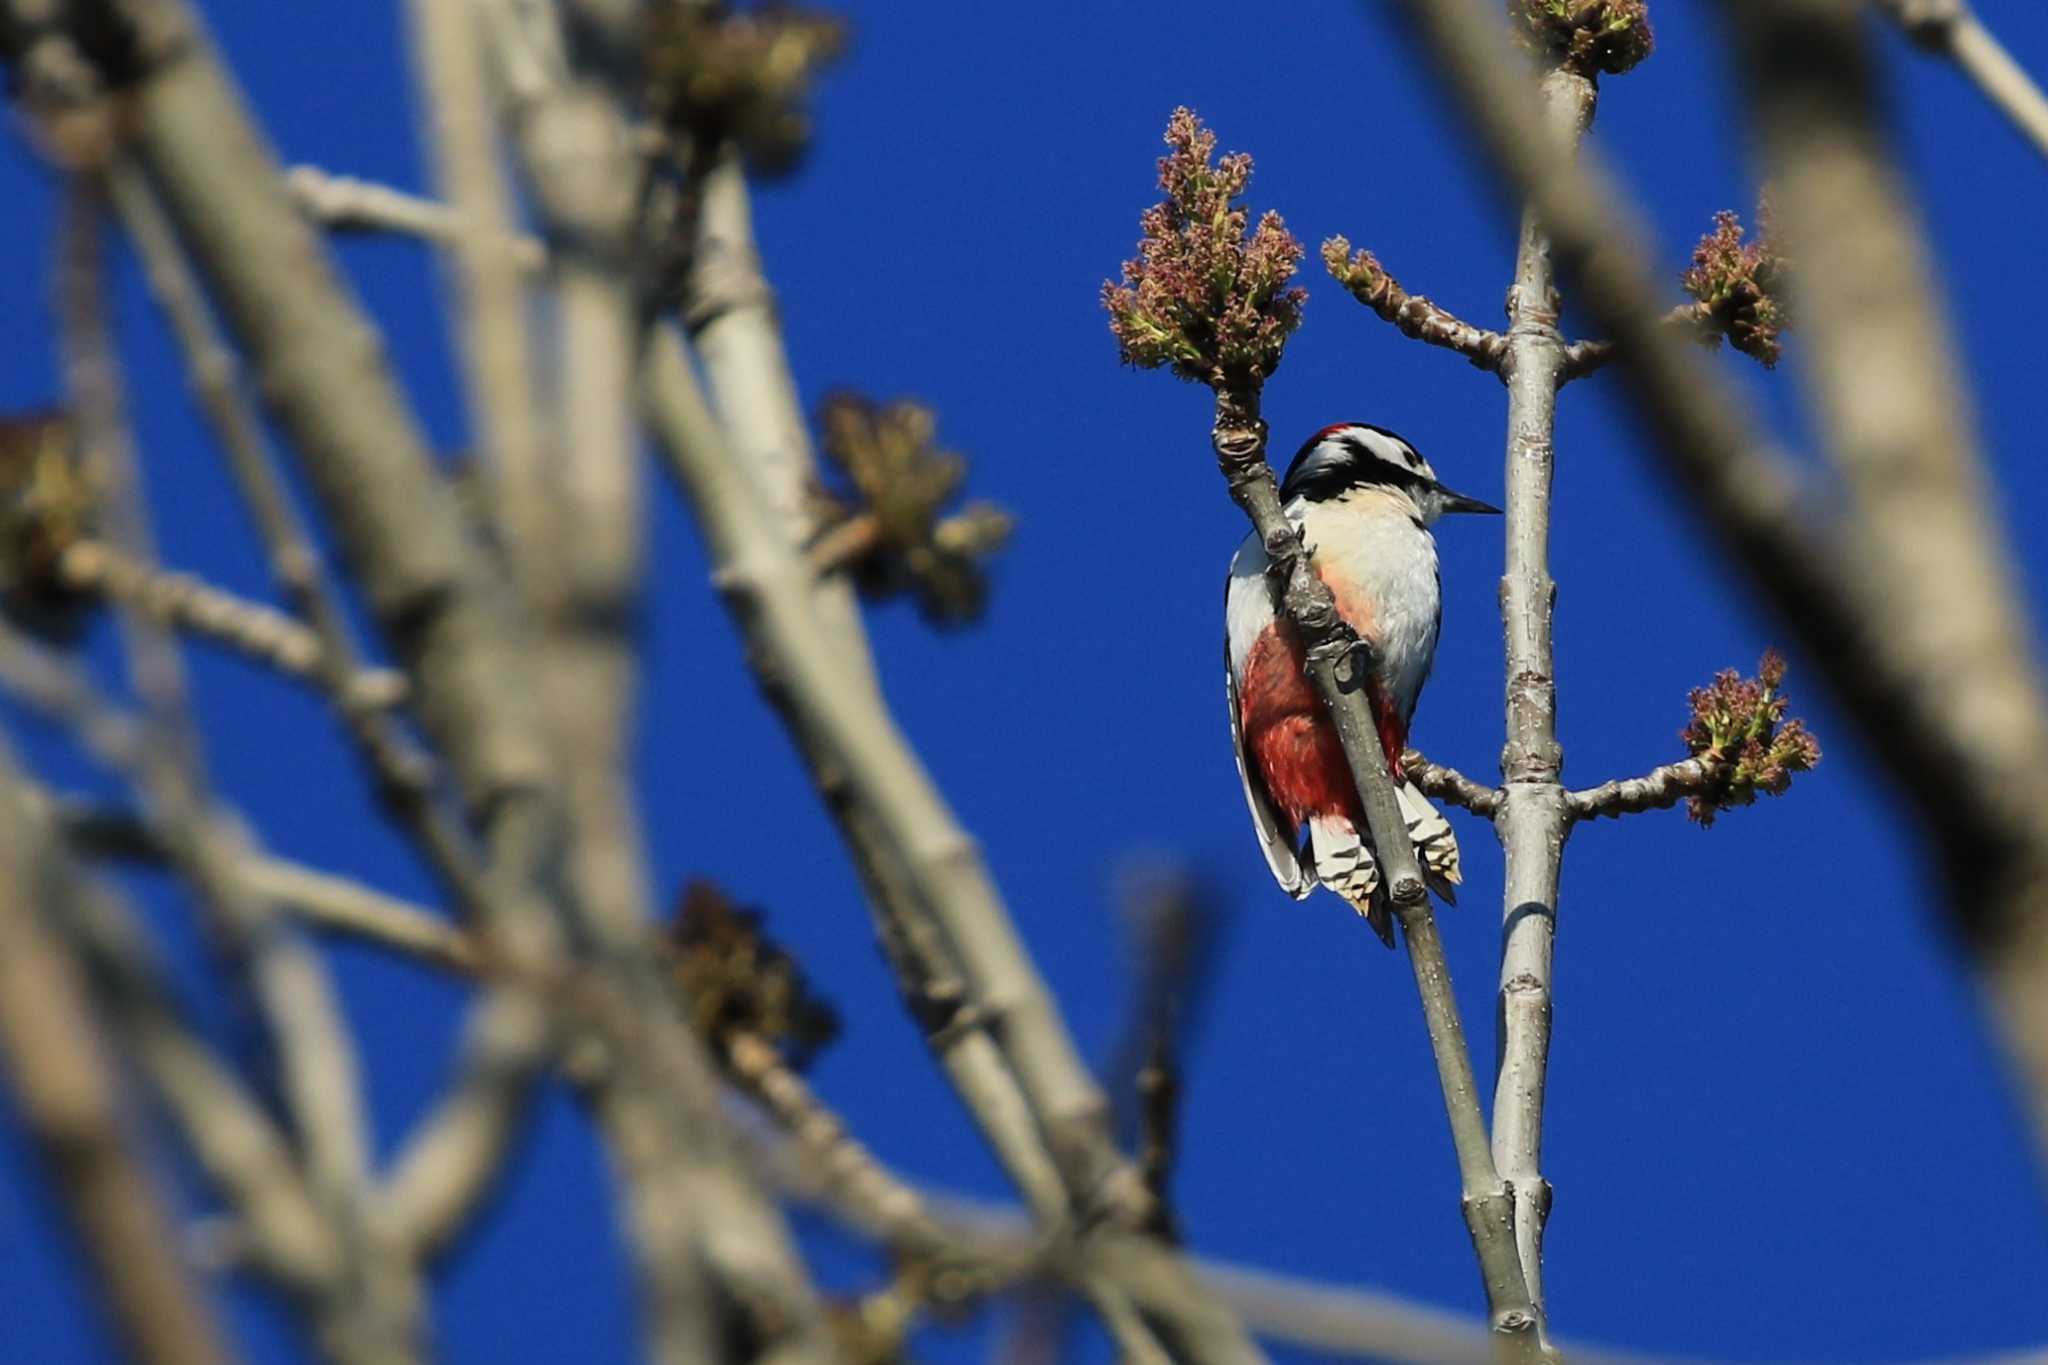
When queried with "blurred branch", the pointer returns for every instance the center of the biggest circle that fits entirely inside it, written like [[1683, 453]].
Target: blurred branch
[[1584, 357], [1173, 926], [729, 311], [183, 602], [915, 858], [1894, 408], [375, 1315], [1958, 727], [702, 1234], [322, 900], [484, 272], [344, 203], [1951, 29], [405, 777], [69, 1099]]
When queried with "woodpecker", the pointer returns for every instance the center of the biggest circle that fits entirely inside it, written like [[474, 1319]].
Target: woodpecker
[[1364, 501]]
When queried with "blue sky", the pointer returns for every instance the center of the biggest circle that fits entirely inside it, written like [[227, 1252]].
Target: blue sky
[[1777, 1127]]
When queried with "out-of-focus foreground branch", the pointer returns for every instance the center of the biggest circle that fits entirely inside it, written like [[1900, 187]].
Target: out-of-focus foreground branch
[[1951, 29], [1923, 643]]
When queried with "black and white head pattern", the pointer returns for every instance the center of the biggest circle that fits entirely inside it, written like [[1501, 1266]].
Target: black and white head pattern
[[1352, 454]]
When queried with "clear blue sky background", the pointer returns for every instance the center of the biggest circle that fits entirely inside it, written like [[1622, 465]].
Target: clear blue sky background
[[1777, 1128]]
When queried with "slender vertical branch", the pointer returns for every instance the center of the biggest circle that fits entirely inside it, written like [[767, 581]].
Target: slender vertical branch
[[487, 279], [1532, 820]]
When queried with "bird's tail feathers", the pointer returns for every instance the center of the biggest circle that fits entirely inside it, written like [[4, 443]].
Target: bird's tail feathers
[[1345, 863], [1436, 848]]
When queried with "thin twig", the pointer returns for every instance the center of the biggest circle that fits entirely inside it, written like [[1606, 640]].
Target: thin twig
[[1951, 29], [1584, 357], [345, 203], [1411, 314], [322, 900], [1173, 925], [183, 602], [1658, 789], [1449, 785]]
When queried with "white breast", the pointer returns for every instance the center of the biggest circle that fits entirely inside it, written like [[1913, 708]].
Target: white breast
[[1369, 542]]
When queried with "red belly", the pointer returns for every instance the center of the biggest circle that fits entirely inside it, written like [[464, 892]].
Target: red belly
[[1289, 736]]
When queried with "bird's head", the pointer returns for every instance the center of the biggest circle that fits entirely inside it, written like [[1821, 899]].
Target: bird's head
[[1352, 455]]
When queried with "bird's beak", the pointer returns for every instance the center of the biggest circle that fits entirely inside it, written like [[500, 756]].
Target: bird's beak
[[1458, 502]]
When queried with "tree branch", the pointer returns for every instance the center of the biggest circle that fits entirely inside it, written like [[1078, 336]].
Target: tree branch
[[183, 602], [1951, 29], [1583, 357], [69, 1093], [916, 860], [1531, 820], [1659, 789], [1449, 785], [1974, 782], [344, 203], [1411, 314]]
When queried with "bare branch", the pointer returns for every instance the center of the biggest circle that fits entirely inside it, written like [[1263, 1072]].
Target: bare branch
[[404, 775], [1411, 314], [912, 852], [1951, 29], [1448, 784], [729, 311], [484, 271], [1583, 357], [1659, 789], [68, 1093], [746, 368], [1531, 821], [319, 368], [346, 204], [376, 1317], [183, 602], [1974, 781]]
